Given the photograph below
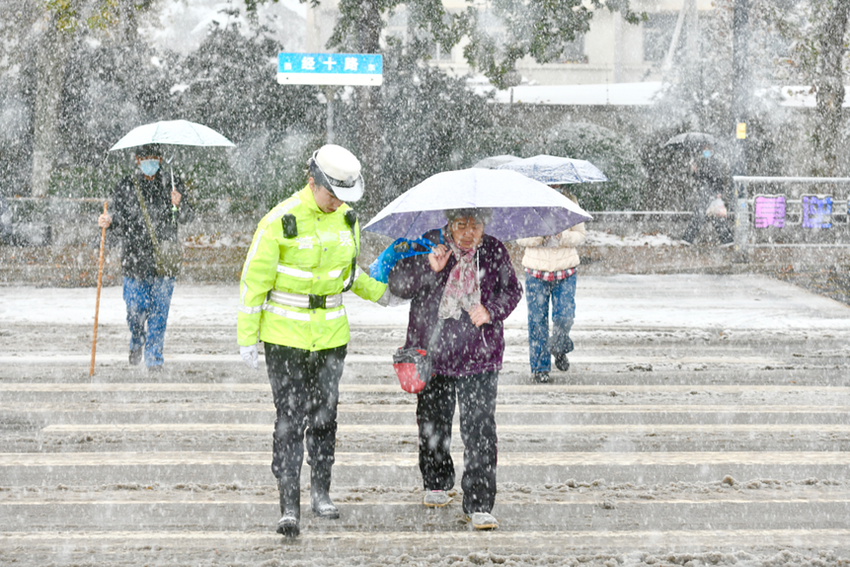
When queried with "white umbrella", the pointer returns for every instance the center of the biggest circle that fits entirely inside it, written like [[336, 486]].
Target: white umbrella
[[521, 206], [493, 162], [554, 170], [176, 132]]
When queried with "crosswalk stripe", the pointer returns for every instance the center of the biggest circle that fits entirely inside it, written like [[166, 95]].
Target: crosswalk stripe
[[503, 409], [197, 499], [411, 429], [57, 387], [112, 359], [410, 459], [527, 540]]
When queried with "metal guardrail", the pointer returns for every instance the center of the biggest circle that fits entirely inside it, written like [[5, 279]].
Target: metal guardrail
[[743, 203]]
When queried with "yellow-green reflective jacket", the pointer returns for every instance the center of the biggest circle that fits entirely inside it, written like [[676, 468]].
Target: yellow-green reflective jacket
[[317, 261]]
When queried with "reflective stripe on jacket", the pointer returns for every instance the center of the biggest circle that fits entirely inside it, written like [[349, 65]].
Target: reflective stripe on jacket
[[317, 261]]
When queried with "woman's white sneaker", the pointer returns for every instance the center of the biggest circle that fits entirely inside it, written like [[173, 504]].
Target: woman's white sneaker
[[483, 521], [436, 498]]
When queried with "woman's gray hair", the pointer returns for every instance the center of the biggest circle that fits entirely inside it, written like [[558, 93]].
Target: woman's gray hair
[[480, 215]]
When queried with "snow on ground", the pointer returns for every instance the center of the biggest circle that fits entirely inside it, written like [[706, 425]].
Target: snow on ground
[[599, 238], [684, 301], [736, 512]]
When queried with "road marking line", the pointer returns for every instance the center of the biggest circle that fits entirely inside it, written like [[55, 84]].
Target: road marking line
[[382, 539], [502, 409], [55, 387], [112, 359], [416, 501], [410, 459], [411, 429]]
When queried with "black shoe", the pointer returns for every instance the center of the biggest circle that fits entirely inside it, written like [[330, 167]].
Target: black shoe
[[136, 356], [290, 506], [288, 526], [155, 369], [320, 498], [541, 377], [320, 503], [561, 362]]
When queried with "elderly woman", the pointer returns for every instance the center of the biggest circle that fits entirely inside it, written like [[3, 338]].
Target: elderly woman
[[460, 294]]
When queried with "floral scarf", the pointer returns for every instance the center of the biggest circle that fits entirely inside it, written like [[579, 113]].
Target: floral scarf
[[462, 292]]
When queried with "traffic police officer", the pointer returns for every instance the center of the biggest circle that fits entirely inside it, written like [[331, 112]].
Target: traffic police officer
[[300, 261]]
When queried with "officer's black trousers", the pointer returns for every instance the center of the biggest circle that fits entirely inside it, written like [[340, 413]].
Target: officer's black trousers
[[476, 398], [305, 386]]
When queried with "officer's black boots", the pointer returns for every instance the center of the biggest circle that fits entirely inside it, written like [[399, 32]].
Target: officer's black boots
[[320, 499], [290, 505]]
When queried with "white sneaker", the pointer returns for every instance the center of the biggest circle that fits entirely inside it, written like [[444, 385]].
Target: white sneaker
[[483, 521], [436, 498]]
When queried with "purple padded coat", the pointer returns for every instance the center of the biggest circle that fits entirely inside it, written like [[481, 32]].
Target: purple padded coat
[[461, 348]]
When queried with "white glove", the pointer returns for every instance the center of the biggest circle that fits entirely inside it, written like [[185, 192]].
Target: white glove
[[250, 355]]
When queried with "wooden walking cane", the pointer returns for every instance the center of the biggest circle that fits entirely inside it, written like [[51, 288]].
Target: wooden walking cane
[[99, 281]]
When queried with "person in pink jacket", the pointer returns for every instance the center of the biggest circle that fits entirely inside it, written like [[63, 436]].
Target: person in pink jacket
[[550, 264]]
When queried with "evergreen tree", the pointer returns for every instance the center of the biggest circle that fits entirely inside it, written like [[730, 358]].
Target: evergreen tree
[[818, 32], [229, 85]]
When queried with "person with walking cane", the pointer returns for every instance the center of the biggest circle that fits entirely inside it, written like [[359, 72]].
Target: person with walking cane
[[147, 209], [99, 286], [301, 260]]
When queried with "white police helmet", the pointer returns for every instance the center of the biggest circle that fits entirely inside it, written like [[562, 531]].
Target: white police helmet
[[336, 169]]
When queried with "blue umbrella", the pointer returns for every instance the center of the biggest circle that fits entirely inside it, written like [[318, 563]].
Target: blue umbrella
[[521, 206], [553, 170]]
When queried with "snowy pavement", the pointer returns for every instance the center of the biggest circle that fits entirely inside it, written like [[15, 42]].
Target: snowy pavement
[[704, 421], [735, 302]]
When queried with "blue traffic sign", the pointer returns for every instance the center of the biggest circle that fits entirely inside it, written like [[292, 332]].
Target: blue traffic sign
[[330, 69]]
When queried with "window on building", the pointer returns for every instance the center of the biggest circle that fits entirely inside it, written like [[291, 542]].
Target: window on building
[[657, 35], [574, 52], [440, 54]]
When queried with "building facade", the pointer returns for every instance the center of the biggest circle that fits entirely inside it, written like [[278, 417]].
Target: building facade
[[612, 51]]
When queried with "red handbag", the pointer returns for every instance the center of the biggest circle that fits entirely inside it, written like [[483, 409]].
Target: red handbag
[[413, 368]]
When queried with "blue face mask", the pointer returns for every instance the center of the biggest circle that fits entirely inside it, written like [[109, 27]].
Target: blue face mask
[[149, 166], [706, 154]]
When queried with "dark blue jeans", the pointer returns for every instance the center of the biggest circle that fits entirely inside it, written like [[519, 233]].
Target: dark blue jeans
[[148, 301], [435, 408], [538, 294]]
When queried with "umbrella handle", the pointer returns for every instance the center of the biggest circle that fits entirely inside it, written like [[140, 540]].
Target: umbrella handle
[[99, 283]]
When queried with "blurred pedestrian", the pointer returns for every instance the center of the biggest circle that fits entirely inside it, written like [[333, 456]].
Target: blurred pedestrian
[[5, 221], [148, 206], [460, 294], [302, 258], [550, 264], [709, 185]]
